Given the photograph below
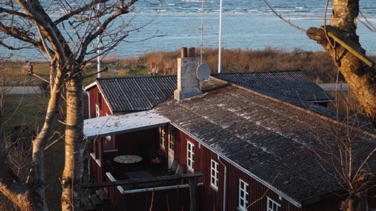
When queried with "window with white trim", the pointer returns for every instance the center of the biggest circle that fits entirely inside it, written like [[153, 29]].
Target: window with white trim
[[100, 100], [243, 195], [214, 175], [171, 139], [97, 110], [190, 156], [272, 205]]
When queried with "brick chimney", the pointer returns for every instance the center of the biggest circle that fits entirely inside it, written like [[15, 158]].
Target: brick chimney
[[188, 84]]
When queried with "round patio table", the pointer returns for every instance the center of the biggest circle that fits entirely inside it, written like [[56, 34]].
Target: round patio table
[[125, 159]]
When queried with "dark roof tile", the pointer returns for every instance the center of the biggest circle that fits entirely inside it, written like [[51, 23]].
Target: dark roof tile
[[287, 83], [266, 137]]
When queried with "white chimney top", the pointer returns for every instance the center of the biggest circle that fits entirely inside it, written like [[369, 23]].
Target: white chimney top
[[187, 85]]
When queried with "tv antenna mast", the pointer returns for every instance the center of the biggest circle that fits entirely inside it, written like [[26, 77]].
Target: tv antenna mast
[[220, 37], [202, 31]]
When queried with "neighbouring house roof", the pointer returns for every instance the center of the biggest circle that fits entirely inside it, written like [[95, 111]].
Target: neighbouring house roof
[[268, 139], [122, 123], [130, 94], [287, 83]]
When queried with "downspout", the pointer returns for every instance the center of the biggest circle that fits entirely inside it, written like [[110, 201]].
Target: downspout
[[224, 183]]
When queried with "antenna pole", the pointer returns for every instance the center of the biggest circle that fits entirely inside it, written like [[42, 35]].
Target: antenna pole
[[220, 38], [202, 30]]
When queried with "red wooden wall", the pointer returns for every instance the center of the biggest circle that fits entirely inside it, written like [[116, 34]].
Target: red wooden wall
[[93, 100], [214, 199], [173, 199]]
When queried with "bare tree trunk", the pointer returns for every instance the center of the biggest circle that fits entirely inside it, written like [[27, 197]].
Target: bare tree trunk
[[360, 77], [74, 145], [67, 40], [36, 184]]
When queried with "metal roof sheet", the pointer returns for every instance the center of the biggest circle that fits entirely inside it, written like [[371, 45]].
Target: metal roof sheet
[[131, 94]]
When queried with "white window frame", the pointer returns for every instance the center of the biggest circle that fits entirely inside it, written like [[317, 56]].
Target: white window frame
[[190, 156], [97, 110], [272, 205], [243, 195], [214, 174], [171, 142]]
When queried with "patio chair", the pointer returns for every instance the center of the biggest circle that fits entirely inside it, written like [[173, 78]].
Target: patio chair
[[181, 168], [173, 167]]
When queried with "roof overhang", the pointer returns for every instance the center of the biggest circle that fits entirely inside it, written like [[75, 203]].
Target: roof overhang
[[122, 123], [90, 85]]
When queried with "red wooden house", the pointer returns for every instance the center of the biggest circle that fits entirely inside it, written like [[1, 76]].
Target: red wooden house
[[254, 151]]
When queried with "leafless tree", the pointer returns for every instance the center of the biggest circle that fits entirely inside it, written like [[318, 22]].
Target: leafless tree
[[360, 76], [346, 151], [343, 158], [66, 32]]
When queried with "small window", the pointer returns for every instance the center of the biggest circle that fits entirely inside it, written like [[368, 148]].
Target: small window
[[190, 156], [100, 100], [243, 195], [171, 139], [272, 205], [171, 143], [97, 110], [214, 175]]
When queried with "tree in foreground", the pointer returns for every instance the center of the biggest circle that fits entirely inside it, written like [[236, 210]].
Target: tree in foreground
[[360, 76], [66, 32], [340, 40]]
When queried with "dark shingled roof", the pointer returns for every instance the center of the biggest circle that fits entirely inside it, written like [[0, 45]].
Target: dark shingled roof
[[266, 137], [288, 83], [131, 94]]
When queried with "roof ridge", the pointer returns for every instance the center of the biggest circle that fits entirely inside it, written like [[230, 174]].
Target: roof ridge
[[261, 72], [138, 77]]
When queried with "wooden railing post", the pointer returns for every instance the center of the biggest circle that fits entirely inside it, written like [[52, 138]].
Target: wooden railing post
[[192, 193]]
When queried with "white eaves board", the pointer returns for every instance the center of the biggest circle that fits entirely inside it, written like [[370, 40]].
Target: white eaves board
[[122, 123]]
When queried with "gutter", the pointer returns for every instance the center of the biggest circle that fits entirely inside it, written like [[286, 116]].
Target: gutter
[[253, 176]]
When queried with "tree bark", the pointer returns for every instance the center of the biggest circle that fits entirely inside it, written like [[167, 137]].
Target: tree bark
[[29, 23], [36, 184], [360, 77], [74, 145]]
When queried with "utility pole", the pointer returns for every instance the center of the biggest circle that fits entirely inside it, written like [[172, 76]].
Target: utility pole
[[220, 38]]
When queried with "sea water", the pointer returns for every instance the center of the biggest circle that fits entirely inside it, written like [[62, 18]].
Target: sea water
[[246, 24]]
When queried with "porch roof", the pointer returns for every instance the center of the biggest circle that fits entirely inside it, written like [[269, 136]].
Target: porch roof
[[122, 123]]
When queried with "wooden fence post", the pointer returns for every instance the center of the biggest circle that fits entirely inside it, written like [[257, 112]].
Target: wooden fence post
[[192, 193]]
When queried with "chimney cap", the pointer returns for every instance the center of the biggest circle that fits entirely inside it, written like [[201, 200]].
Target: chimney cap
[[183, 52]]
